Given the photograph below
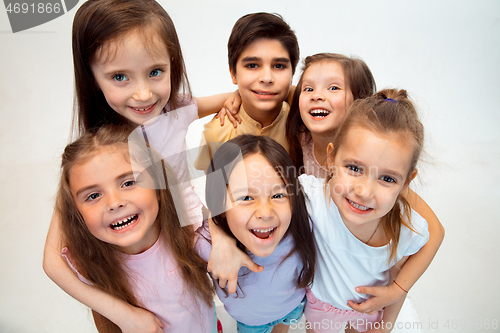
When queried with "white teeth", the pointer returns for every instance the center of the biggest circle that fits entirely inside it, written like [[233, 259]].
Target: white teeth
[[319, 113], [262, 93], [125, 222], [142, 109], [355, 205], [263, 230]]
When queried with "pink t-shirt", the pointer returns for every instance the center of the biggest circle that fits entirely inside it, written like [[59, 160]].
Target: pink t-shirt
[[167, 135], [158, 286]]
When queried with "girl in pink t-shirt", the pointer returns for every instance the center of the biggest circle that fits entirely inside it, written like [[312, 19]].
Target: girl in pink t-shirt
[[124, 231]]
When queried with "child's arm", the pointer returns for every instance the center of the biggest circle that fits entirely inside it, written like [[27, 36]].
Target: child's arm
[[222, 104], [129, 318], [391, 311], [226, 259], [413, 268]]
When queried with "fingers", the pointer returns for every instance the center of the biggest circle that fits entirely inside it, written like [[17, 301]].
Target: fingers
[[222, 283], [361, 307], [231, 286], [365, 290]]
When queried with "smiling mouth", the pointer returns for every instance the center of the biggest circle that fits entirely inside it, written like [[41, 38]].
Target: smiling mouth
[[358, 206], [144, 110], [263, 233], [124, 223], [319, 113], [263, 93]]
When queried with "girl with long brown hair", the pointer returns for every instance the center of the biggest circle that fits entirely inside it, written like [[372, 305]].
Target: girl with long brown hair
[[124, 230], [364, 227], [254, 196]]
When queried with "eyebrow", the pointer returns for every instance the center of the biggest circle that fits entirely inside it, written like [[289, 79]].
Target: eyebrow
[[87, 188], [250, 59], [114, 71]]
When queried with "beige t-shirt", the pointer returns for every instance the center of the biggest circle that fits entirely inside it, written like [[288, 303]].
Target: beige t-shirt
[[215, 134]]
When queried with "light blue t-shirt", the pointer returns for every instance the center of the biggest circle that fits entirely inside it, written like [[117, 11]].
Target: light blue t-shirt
[[266, 296]]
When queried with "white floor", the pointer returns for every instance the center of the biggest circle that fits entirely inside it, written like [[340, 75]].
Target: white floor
[[445, 53]]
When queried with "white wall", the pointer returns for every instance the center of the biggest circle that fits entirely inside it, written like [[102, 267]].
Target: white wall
[[445, 53]]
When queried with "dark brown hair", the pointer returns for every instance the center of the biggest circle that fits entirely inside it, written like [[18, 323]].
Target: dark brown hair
[[99, 22], [98, 261], [358, 79], [300, 229], [252, 27], [388, 111]]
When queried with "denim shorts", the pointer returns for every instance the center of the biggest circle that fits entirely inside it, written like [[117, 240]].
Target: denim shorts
[[294, 315]]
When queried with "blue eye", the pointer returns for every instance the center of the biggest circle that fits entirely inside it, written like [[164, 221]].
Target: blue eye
[[388, 179], [155, 73], [333, 88], [280, 66], [92, 196], [278, 196], [307, 89], [119, 77]]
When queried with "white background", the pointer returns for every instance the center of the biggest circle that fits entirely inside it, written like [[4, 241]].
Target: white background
[[445, 53]]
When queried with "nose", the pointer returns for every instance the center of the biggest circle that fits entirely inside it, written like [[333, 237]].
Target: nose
[[142, 91], [265, 211], [364, 188], [115, 201], [266, 75], [317, 96]]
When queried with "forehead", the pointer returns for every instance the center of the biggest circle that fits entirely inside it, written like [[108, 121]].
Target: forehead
[[324, 69], [254, 171], [147, 42], [265, 47], [374, 149], [103, 164]]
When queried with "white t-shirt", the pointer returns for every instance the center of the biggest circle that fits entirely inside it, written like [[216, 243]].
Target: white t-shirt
[[343, 261]]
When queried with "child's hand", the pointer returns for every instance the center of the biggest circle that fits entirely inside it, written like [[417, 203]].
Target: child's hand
[[138, 320], [381, 297], [231, 108], [226, 259]]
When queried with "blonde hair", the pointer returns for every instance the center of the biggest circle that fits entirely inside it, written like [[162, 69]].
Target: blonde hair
[[388, 111], [98, 261]]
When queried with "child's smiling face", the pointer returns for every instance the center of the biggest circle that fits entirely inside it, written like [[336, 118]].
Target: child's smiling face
[[263, 75], [259, 211], [369, 172], [324, 97], [116, 208], [134, 79]]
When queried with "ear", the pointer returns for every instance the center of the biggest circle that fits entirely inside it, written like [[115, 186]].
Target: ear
[[233, 76], [411, 177], [329, 157]]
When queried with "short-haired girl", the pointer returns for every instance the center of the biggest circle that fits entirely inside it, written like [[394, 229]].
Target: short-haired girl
[[124, 234], [329, 84], [364, 228], [254, 196]]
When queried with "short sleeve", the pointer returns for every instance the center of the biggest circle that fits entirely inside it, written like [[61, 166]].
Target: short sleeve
[[68, 257], [413, 241]]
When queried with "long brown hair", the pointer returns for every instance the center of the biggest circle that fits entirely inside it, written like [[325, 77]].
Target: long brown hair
[[358, 79], [388, 111], [100, 262], [219, 172], [98, 22]]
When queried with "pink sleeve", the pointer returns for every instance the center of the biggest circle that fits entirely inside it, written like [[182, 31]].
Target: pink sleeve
[[66, 254]]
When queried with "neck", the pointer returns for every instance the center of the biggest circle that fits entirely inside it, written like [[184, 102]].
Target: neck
[[320, 144], [265, 118]]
